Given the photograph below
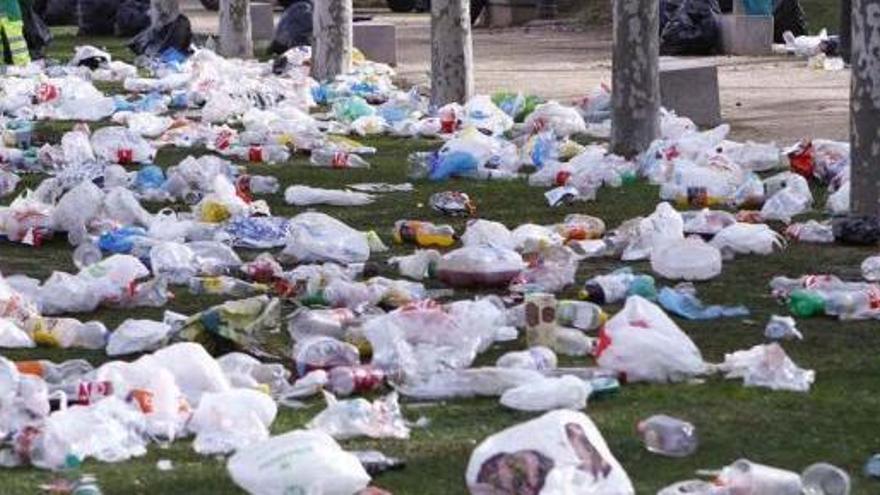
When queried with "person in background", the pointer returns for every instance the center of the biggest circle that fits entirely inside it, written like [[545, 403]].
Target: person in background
[[15, 48]]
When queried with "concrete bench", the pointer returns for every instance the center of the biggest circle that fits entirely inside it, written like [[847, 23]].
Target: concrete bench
[[690, 88], [377, 41], [262, 22]]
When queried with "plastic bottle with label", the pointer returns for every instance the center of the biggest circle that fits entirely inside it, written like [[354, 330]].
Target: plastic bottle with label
[[423, 234], [582, 315], [346, 380], [617, 286], [268, 153], [337, 159]]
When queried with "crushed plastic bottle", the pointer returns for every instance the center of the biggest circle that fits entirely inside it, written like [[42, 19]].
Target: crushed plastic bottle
[[347, 380], [337, 159], [668, 436], [824, 479]]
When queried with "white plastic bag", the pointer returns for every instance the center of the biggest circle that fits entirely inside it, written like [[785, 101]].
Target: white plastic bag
[[565, 392], [748, 238], [121, 145], [172, 260], [642, 342], [688, 259], [306, 462], [137, 336], [767, 366], [416, 266], [354, 418], [76, 208], [487, 233], [121, 205], [559, 453], [13, 337], [793, 199], [228, 421], [563, 120], [308, 196], [662, 226], [316, 237], [194, 370]]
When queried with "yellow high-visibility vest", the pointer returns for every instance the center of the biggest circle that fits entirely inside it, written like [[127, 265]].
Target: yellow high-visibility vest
[[12, 29]]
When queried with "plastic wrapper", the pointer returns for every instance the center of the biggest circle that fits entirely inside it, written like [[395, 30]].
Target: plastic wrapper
[[308, 196], [228, 421], [644, 344], [747, 238], [137, 336], [565, 392], [316, 237], [560, 452], [767, 366], [687, 259], [479, 266], [309, 461], [354, 418], [452, 203]]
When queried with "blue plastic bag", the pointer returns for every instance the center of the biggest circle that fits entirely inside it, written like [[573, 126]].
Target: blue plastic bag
[[121, 240], [454, 163], [689, 307]]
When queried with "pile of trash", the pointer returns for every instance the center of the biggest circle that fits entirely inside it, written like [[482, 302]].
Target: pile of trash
[[310, 316]]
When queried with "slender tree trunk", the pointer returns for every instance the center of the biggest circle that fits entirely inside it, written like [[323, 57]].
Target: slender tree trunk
[[332, 32], [163, 12], [452, 52], [846, 30], [865, 108], [235, 29], [635, 100]]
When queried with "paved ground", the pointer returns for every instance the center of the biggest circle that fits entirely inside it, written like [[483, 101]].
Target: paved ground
[[768, 99]]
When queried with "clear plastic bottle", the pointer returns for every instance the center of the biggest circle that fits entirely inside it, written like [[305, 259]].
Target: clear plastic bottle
[[268, 153], [337, 159], [225, 285], [346, 380], [824, 479], [668, 436], [582, 315], [615, 287], [264, 184], [86, 254]]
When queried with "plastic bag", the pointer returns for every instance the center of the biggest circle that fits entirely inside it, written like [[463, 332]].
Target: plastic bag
[[232, 420], [782, 328], [479, 266], [137, 336], [316, 237], [694, 29], [300, 461], [793, 199], [13, 337], [688, 259], [174, 261], [566, 392], [689, 307], [561, 452], [71, 333], [194, 370], [418, 265], [747, 238], [646, 345], [487, 233], [309, 196], [767, 366], [663, 226], [75, 209], [838, 201], [562, 120], [354, 418], [121, 205], [121, 145]]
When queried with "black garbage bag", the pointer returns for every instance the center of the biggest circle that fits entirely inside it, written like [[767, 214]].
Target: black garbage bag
[[668, 8], [57, 12], [788, 15], [36, 32], [857, 230], [152, 41], [132, 17], [694, 29], [294, 28], [97, 17]]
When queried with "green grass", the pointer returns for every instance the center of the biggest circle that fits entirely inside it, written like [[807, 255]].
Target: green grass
[[835, 422], [822, 14]]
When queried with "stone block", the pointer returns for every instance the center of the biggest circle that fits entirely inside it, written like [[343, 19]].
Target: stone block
[[507, 13], [746, 34], [262, 22], [377, 41], [690, 88]]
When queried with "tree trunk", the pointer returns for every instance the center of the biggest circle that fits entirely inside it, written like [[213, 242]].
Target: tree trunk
[[865, 108], [163, 12], [235, 29], [332, 32], [845, 30], [452, 52], [635, 99]]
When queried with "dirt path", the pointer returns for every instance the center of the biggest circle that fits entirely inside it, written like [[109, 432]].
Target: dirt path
[[765, 98]]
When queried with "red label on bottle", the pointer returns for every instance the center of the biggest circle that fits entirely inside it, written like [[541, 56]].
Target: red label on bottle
[[89, 392], [223, 139], [339, 160], [47, 92], [562, 177], [367, 379], [124, 156], [255, 154]]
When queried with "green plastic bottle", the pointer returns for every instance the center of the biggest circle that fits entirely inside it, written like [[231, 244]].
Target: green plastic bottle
[[804, 303]]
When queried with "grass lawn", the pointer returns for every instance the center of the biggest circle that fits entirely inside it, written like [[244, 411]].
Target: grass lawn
[[836, 422]]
